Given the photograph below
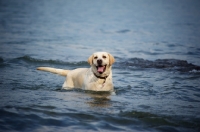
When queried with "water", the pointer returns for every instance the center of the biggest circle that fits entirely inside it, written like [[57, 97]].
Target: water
[[156, 75]]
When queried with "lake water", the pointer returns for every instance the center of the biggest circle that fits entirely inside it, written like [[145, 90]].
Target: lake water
[[156, 76]]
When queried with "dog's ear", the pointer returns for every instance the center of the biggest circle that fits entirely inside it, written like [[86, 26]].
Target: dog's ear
[[90, 60], [111, 59]]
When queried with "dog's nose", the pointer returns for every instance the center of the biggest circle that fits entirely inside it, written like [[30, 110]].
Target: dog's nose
[[99, 61]]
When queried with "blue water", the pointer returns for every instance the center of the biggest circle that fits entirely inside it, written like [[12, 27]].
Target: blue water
[[156, 76]]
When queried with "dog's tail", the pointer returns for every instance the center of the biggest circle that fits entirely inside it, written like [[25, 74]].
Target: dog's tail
[[61, 72]]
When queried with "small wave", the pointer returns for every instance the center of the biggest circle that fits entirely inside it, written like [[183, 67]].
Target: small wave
[[194, 71], [160, 120], [123, 31], [1, 60], [180, 65], [31, 60], [29, 120]]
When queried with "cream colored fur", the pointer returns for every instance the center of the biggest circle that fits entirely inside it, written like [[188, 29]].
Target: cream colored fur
[[88, 78]]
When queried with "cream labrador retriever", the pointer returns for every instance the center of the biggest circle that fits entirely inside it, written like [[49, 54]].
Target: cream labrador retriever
[[96, 78]]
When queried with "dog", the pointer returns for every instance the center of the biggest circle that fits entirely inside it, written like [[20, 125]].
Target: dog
[[96, 78]]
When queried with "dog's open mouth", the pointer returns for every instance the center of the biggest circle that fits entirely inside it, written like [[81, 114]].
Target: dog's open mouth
[[101, 69]]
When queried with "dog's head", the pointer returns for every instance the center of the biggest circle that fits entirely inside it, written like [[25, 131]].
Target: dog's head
[[101, 63]]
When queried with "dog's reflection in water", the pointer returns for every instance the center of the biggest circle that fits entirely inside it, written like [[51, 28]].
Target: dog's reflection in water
[[99, 99], [91, 98]]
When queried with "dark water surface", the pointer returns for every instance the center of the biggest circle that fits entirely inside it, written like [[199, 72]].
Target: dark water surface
[[156, 76]]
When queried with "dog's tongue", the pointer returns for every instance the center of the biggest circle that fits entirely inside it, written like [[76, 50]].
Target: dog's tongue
[[100, 68]]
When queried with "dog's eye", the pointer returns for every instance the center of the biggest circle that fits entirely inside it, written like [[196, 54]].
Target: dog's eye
[[104, 57], [95, 57]]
